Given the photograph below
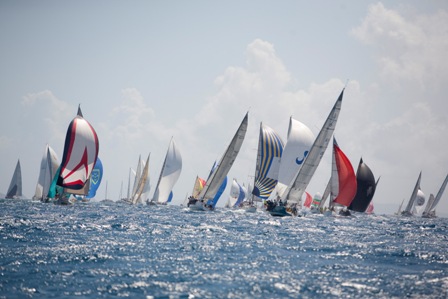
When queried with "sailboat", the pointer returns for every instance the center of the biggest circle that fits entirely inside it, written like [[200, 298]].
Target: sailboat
[[237, 195], [343, 181], [292, 195], [48, 167], [15, 187], [365, 190], [80, 155], [95, 180], [172, 166], [142, 185], [199, 184], [408, 211], [234, 194], [430, 209], [216, 179], [269, 153]]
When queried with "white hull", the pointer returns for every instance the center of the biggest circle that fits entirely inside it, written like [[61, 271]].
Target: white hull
[[250, 209], [197, 206]]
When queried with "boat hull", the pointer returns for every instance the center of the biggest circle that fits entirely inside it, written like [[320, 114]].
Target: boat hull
[[279, 211]]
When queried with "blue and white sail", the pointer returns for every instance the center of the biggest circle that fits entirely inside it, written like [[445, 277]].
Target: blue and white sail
[[95, 178], [171, 169], [270, 149]]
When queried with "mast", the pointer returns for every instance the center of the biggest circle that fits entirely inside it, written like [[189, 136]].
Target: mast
[[294, 191], [410, 205]]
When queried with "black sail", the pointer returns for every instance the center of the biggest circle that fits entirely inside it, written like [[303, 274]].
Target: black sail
[[366, 188]]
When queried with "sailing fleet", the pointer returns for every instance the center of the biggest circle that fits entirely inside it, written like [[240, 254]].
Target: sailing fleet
[[283, 172]]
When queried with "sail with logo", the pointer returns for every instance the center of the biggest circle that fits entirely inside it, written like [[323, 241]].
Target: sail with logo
[[95, 179]]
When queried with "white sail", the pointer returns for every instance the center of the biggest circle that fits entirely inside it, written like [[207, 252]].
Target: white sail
[[409, 208], [300, 139], [137, 176], [172, 166], [142, 183], [297, 187], [432, 203], [234, 193], [48, 167], [225, 163]]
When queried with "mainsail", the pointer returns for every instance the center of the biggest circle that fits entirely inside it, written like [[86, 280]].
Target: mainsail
[[343, 178], [225, 163], [80, 155], [142, 184], [15, 187], [48, 167], [172, 166], [430, 209], [365, 190], [294, 191], [270, 148], [408, 211]]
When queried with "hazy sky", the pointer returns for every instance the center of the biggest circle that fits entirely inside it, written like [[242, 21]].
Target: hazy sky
[[144, 71]]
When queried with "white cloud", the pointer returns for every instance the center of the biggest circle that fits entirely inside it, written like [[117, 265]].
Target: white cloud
[[57, 113], [410, 49]]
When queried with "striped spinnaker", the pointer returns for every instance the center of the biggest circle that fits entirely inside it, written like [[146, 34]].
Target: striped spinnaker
[[270, 149]]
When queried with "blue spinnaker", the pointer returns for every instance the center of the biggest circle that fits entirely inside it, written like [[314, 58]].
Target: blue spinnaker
[[95, 178]]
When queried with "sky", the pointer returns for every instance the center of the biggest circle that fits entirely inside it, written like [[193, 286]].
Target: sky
[[146, 71]]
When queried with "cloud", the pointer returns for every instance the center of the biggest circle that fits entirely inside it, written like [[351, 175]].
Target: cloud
[[57, 112], [410, 49]]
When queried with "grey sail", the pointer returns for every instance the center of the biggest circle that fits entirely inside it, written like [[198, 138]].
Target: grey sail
[[15, 187], [225, 163], [408, 210]]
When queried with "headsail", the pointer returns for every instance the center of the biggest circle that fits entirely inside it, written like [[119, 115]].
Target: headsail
[[80, 154], [172, 166], [302, 178], [198, 186]]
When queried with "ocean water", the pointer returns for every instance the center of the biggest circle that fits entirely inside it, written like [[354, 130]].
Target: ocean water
[[98, 250]]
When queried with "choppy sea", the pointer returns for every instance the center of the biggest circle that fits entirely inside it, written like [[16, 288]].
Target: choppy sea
[[99, 250]]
